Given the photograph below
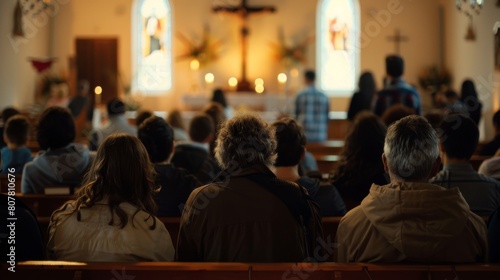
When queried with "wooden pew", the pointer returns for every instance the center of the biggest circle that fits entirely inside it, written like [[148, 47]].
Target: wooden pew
[[43, 205], [476, 161], [246, 271], [330, 147], [327, 164]]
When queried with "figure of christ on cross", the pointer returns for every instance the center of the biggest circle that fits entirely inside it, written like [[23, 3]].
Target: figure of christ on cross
[[244, 11]]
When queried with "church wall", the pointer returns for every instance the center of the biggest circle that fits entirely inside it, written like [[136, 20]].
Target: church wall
[[17, 77], [474, 59]]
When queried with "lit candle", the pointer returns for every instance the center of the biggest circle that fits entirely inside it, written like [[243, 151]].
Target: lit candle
[[98, 91], [233, 82], [259, 89], [209, 80], [282, 78], [194, 64]]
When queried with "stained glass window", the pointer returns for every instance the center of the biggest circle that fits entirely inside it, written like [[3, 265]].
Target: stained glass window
[[338, 46], [151, 40]]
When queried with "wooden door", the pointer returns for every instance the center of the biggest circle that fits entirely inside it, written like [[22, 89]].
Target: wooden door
[[97, 62]]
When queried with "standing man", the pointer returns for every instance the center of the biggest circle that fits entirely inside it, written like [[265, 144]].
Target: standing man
[[311, 110], [397, 90]]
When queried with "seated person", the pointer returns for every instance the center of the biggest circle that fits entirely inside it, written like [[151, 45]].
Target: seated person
[[491, 167], [247, 214], [29, 239], [117, 123], [7, 113], [63, 162], [175, 184], [491, 147], [411, 220], [174, 119], [141, 116], [112, 219], [15, 155], [291, 142], [459, 139], [494, 236], [194, 155], [360, 164]]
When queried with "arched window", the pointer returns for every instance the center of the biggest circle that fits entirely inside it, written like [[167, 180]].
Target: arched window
[[151, 47], [337, 46]]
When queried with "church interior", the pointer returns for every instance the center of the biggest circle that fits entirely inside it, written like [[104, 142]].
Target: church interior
[[432, 34], [171, 55]]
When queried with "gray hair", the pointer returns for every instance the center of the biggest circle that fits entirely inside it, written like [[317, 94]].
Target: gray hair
[[411, 148], [245, 140]]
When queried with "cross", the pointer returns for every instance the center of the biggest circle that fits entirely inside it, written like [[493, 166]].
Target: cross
[[397, 39], [244, 11]]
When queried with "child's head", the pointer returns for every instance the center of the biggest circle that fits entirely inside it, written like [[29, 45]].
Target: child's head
[[16, 130]]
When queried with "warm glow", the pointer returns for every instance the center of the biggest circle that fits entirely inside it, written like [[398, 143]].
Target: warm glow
[[259, 82], [195, 64], [209, 78], [282, 78], [259, 89], [232, 82], [98, 90], [294, 72]]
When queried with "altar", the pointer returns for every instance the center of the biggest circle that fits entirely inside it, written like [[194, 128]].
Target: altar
[[244, 100]]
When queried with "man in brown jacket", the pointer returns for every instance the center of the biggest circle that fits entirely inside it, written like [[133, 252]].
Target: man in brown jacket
[[410, 220], [247, 214]]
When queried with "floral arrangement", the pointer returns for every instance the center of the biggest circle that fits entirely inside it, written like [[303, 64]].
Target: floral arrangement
[[433, 79], [205, 51], [290, 55]]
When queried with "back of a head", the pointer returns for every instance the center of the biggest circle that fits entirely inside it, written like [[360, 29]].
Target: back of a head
[[56, 128], [158, 138], [9, 112], [142, 116], [219, 97], [394, 66], [121, 172], [115, 107], [496, 119], [310, 75], [17, 130], [201, 127], [245, 140], [395, 113], [216, 112], [411, 149], [365, 138], [459, 136], [435, 118], [174, 119], [366, 83], [468, 93], [291, 142]]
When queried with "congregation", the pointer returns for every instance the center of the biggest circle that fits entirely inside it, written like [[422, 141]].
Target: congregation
[[249, 191]]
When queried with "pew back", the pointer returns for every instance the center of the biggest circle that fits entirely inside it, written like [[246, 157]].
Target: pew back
[[199, 271]]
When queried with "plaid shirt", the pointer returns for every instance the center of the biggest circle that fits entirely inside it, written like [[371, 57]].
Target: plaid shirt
[[311, 110], [399, 92]]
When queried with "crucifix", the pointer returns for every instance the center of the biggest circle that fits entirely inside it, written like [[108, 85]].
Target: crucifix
[[397, 39], [244, 11]]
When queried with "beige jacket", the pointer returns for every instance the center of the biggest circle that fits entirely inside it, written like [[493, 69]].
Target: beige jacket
[[92, 239], [412, 222]]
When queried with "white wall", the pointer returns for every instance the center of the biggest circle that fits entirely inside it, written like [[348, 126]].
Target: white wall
[[17, 77], [474, 59]]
